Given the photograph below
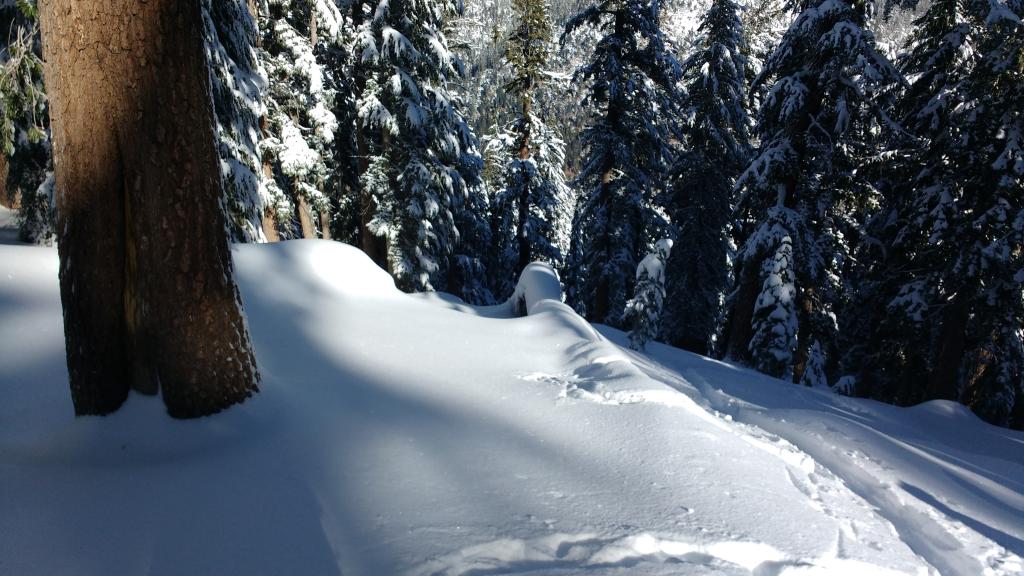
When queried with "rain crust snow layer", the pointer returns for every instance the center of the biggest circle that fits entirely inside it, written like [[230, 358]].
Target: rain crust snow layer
[[399, 435]]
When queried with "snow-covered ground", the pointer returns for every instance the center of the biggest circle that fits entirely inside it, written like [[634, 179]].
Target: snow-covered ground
[[415, 435]]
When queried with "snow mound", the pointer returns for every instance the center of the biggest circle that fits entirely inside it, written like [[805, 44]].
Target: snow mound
[[538, 282]]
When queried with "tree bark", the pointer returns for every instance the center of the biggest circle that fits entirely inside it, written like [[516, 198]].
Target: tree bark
[[305, 216], [145, 270], [525, 255], [325, 226], [269, 219], [739, 329], [950, 350], [6, 198], [806, 300]]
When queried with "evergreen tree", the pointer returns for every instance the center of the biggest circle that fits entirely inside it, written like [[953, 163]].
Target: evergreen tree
[[945, 294], [700, 201], [774, 339], [24, 123], [803, 197], [238, 85], [632, 93], [299, 144], [645, 308], [467, 274], [764, 23], [424, 163], [533, 199]]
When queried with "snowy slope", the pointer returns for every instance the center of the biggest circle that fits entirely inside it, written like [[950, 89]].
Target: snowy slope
[[420, 436]]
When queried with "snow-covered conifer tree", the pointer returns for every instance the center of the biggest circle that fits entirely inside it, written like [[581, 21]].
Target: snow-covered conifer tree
[[775, 318], [764, 23], [645, 308], [24, 122], [300, 100], [803, 195], [238, 85], [532, 204], [425, 163], [943, 299], [632, 80], [717, 149]]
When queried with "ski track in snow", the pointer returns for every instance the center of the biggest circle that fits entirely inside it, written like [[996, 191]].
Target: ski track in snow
[[607, 374], [948, 545], [604, 365]]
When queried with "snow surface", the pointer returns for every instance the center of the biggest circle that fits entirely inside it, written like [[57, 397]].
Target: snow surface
[[421, 436]]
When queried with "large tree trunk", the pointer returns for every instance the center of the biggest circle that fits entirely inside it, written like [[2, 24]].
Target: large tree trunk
[[145, 270]]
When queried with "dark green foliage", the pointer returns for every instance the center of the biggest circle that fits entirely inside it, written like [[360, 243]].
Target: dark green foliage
[[717, 149], [803, 196], [946, 290], [526, 49], [530, 201], [632, 80]]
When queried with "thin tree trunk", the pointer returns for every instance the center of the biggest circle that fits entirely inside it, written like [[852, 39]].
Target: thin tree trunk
[[269, 219], [5, 199], [145, 270], [325, 226], [805, 339], [305, 216], [525, 255], [324, 218], [950, 350]]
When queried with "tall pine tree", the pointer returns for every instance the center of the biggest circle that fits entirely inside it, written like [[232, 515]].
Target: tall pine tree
[[530, 206], [298, 145], [802, 195], [945, 294], [423, 161], [717, 149], [632, 80], [238, 85]]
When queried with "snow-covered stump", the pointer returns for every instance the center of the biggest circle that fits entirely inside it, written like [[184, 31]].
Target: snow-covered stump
[[538, 282]]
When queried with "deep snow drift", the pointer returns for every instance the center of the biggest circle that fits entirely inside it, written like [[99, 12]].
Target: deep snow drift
[[416, 435]]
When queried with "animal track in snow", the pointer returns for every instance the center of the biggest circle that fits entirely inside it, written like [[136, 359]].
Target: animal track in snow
[[591, 389], [606, 376]]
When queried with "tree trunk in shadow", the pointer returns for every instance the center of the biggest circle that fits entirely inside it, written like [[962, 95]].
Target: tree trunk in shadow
[[739, 329], [5, 200], [950, 349]]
